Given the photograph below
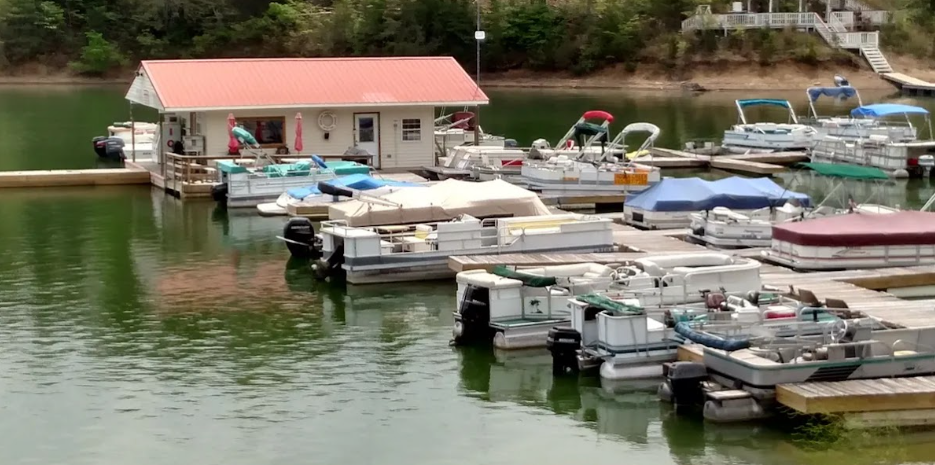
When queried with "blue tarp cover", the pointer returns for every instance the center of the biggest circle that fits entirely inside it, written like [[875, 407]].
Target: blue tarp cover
[[844, 91], [886, 109], [361, 182], [694, 194], [764, 101]]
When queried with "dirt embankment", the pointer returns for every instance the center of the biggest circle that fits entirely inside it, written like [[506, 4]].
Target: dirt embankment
[[710, 76], [782, 76]]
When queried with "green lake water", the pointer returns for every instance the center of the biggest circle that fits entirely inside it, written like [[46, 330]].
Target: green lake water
[[137, 329]]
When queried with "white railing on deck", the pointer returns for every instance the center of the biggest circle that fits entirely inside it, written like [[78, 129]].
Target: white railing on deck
[[834, 32], [849, 18]]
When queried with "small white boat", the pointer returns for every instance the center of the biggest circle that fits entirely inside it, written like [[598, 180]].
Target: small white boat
[[629, 342], [673, 202], [505, 161], [590, 173], [728, 228], [460, 129], [406, 252], [516, 307], [851, 126], [120, 139], [736, 384], [855, 241], [465, 161], [409, 234], [327, 192], [765, 136]]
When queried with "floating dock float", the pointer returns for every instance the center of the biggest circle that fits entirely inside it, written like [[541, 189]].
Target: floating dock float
[[62, 178]]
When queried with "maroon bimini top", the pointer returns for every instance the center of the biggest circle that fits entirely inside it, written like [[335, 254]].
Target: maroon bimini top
[[861, 230]]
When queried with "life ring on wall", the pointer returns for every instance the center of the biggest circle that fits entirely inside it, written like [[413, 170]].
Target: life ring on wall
[[327, 121]]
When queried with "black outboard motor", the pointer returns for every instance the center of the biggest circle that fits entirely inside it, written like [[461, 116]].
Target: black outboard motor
[[472, 322], [564, 344], [219, 193], [682, 386], [299, 235], [110, 148]]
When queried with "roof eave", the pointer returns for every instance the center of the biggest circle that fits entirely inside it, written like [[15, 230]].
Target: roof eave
[[468, 103]]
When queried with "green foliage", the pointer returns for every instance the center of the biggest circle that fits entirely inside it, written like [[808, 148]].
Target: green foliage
[[98, 57], [580, 36]]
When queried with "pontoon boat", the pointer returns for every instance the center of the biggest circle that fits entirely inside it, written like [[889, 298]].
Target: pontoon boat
[[851, 127], [591, 173], [767, 137], [898, 157], [671, 203]]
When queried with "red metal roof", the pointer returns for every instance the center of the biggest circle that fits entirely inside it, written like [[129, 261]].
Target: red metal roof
[[861, 229], [311, 82]]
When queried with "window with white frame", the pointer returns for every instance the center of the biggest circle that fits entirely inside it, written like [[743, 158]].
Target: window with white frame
[[412, 129]]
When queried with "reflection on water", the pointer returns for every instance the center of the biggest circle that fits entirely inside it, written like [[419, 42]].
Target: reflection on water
[[141, 329]]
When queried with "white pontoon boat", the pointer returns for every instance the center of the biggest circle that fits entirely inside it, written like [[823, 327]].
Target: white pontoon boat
[[767, 137], [590, 173]]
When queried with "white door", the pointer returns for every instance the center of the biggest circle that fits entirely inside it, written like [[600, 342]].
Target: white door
[[367, 135]]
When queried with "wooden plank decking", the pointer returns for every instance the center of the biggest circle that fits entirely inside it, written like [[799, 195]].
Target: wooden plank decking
[[863, 395], [745, 166], [59, 178]]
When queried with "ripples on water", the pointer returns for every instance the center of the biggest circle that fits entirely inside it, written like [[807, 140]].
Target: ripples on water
[[135, 329]]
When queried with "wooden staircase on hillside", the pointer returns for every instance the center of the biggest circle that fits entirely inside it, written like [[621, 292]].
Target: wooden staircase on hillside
[[875, 57]]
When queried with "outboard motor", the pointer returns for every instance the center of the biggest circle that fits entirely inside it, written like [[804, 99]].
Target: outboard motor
[[299, 235], [472, 322], [110, 148], [219, 193], [535, 151], [841, 81], [330, 268], [682, 386], [563, 343]]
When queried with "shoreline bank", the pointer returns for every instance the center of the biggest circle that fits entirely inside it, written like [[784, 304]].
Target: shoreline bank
[[723, 77]]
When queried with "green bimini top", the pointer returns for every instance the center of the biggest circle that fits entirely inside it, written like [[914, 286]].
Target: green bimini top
[[612, 306], [763, 101], [845, 171], [530, 280]]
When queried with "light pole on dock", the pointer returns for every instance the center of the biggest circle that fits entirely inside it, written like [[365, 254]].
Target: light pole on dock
[[479, 37]]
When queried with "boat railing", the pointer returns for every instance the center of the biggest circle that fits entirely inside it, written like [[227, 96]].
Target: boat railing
[[180, 169], [489, 235]]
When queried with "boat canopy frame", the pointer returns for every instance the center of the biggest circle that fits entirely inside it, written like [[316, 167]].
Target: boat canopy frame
[[838, 175], [744, 103], [619, 142], [842, 92], [882, 110]]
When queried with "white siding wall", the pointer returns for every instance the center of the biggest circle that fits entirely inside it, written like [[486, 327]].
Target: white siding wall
[[142, 92], [394, 152]]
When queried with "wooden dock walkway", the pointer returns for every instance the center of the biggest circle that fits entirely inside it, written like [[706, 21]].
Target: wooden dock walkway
[[910, 85], [751, 163], [744, 166], [61, 178], [863, 395]]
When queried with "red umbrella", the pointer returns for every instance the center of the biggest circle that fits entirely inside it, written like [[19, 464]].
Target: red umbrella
[[298, 133], [233, 146]]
